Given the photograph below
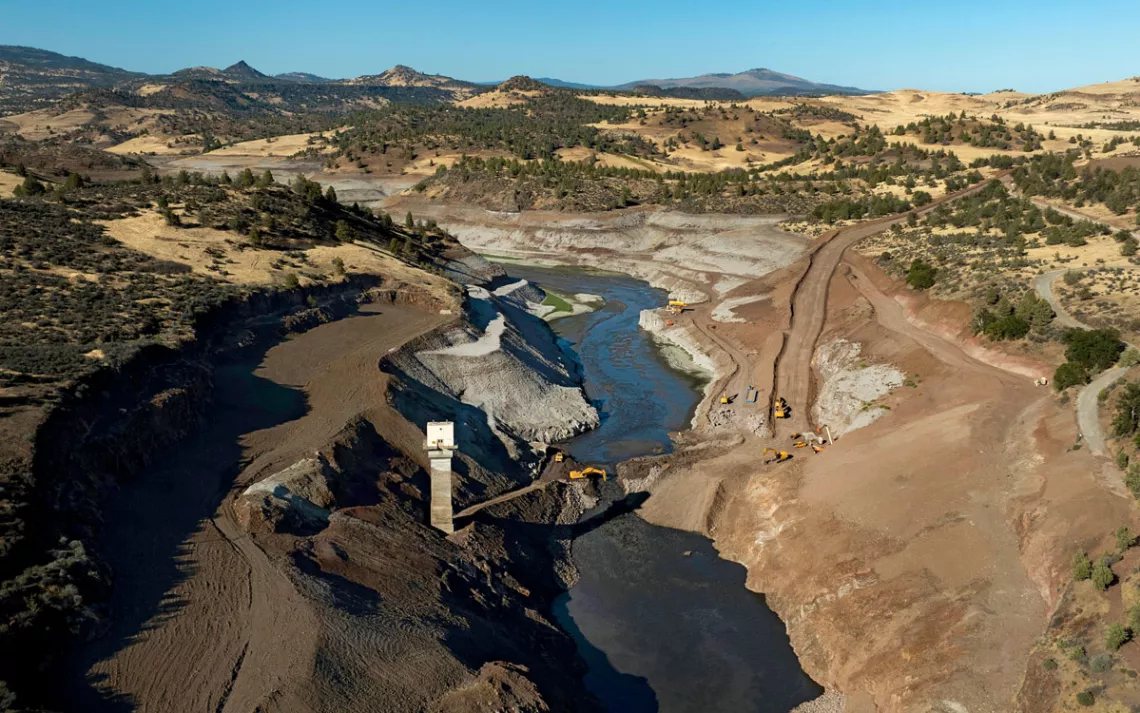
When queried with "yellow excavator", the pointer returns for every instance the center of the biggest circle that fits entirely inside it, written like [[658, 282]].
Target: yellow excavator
[[724, 399], [676, 307], [587, 472], [776, 456], [781, 410], [559, 457]]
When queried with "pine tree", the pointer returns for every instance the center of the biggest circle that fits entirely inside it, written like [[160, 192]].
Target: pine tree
[[344, 232]]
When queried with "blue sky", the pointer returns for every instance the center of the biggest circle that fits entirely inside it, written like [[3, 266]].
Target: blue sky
[[969, 45]]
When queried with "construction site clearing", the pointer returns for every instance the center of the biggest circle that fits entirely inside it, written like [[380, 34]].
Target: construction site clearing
[[861, 544]]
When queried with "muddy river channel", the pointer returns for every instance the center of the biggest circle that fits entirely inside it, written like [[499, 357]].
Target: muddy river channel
[[664, 624]]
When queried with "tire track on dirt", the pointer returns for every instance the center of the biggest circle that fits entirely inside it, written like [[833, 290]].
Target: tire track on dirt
[[794, 378]]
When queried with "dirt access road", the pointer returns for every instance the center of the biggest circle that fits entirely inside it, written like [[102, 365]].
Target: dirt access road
[[809, 310], [1088, 407], [915, 561]]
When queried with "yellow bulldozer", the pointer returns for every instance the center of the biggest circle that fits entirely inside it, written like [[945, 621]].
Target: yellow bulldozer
[[771, 455], [676, 307], [781, 410], [587, 472]]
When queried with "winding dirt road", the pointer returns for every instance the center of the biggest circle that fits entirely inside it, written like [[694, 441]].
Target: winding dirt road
[[1088, 406]]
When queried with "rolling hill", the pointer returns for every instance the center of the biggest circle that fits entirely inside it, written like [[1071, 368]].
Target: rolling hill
[[31, 78]]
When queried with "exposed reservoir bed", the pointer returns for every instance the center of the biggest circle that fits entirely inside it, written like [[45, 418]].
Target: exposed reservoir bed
[[662, 621]]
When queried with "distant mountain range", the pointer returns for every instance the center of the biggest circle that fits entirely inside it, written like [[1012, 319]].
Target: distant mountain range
[[750, 83], [32, 78]]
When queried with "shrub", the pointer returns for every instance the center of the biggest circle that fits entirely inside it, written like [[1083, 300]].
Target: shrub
[[1124, 538], [1082, 566], [1102, 576], [1095, 349], [1134, 618], [1010, 327], [1070, 374], [338, 265], [344, 232], [1132, 480], [1049, 665], [1100, 664], [1130, 358], [921, 275], [1127, 417], [1122, 460], [1116, 636], [1086, 698], [291, 281]]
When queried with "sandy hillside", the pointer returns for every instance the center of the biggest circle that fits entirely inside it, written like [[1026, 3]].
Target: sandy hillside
[[45, 123], [497, 99], [277, 146], [157, 145], [1064, 113], [217, 254], [8, 182]]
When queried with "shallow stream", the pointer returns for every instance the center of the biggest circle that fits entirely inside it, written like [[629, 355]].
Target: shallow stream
[[662, 621]]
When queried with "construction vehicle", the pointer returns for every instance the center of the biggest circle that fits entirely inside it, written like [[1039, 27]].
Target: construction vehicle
[[800, 444], [559, 457], [676, 307], [816, 449], [1042, 381], [587, 472], [751, 394], [776, 456], [724, 399], [781, 410]]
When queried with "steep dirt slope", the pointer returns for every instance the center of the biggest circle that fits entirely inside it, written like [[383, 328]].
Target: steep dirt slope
[[234, 603]]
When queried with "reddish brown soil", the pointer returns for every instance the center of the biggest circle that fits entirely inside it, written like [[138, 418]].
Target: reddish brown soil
[[917, 560]]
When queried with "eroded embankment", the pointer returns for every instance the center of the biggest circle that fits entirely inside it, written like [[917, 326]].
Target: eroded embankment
[[316, 583], [693, 257], [99, 434]]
